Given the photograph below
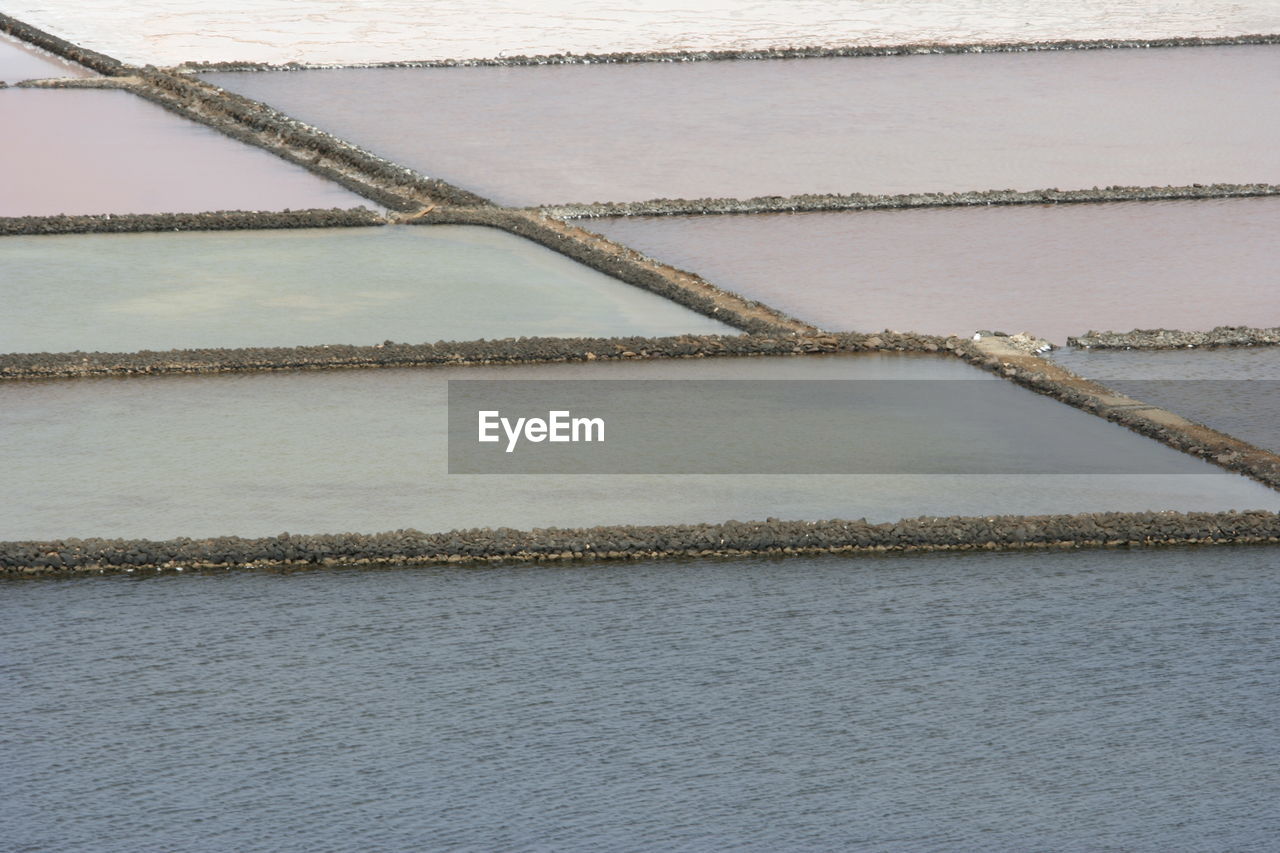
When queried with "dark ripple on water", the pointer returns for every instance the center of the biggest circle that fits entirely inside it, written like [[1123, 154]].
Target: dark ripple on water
[[1061, 701]]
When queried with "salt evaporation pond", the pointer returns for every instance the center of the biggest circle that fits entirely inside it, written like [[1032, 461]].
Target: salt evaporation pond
[[166, 32], [1053, 270], [20, 61], [86, 152], [1099, 700], [121, 293], [896, 124], [1235, 390], [254, 455]]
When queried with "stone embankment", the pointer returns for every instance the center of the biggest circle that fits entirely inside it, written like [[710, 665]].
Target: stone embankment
[[816, 52], [220, 220], [91, 59], [504, 351], [1220, 336], [816, 203], [1002, 357], [731, 539]]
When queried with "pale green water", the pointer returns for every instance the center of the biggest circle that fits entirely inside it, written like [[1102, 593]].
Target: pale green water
[[126, 292], [255, 455]]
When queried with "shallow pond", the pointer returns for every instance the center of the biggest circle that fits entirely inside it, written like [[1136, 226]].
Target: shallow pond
[[85, 152], [1053, 270], [366, 451], [127, 292], [897, 124]]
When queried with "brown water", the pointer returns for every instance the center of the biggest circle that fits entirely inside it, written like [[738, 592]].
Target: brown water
[[21, 61], [126, 292], [1052, 270], [366, 451], [1068, 119], [85, 152]]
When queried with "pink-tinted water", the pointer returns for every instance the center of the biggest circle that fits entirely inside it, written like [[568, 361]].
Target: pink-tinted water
[[1067, 119], [21, 61], [85, 152], [1052, 270]]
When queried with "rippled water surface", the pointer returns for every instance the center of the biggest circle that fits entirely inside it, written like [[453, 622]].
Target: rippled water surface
[[583, 133], [255, 455], [85, 152], [1069, 701], [171, 31], [1053, 270], [114, 292], [21, 61], [1233, 390]]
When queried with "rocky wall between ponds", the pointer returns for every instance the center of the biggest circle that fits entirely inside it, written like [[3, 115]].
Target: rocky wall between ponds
[[762, 53], [26, 366], [812, 203], [257, 124], [998, 355], [731, 539], [628, 265], [1219, 336], [91, 59], [220, 220]]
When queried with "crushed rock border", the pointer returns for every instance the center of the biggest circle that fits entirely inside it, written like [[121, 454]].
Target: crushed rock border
[[37, 366], [255, 123], [621, 262], [1151, 339], [998, 355], [732, 539], [814, 203], [625, 57], [221, 220], [90, 59]]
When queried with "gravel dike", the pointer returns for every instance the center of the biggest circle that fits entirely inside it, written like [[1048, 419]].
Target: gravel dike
[[1220, 336], [858, 201], [731, 539], [222, 220], [505, 351], [764, 53], [99, 62]]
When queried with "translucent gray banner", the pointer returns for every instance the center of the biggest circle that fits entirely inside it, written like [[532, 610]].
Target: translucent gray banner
[[784, 427]]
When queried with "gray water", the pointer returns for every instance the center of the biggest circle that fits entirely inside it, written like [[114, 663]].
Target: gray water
[[583, 133], [317, 452], [20, 61], [126, 292], [86, 152], [1236, 391], [1068, 701], [1053, 270]]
